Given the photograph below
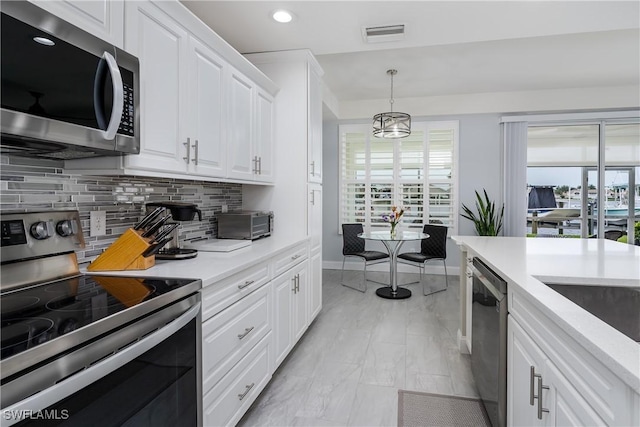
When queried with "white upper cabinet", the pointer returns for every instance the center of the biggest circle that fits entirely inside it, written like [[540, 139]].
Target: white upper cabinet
[[102, 18], [161, 46], [264, 136], [314, 139], [250, 134], [242, 161], [207, 152], [205, 111]]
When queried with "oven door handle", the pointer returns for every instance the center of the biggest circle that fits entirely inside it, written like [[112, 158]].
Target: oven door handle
[[84, 378]]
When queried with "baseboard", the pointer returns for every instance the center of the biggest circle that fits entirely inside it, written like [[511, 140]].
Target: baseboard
[[402, 268]]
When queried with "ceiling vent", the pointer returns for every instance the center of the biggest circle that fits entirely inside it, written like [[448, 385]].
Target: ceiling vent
[[386, 33]]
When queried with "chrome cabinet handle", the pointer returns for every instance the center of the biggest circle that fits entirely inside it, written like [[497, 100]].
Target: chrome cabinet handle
[[259, 165], [188, 145], [246, 332], [195, 152], [297, 283], [532, 380], [249, 387], [532, 395], [247, 283], [313, 197], [255, 164], [295, 257], [313, 168], [540, 388]]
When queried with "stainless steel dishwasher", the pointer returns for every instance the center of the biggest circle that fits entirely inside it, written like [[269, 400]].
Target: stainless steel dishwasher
[[489, 341]]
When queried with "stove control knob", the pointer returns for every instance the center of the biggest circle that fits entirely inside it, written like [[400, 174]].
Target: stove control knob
[[42, 230], [66, 228]]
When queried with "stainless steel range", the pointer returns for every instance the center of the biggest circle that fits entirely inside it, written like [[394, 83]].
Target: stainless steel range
[[91, 349]]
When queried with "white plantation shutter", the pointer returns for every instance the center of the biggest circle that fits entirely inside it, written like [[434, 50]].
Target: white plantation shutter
[[417, 173]]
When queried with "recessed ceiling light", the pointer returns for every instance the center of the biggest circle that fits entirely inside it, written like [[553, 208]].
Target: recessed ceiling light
[[45, 41], [282, 16]]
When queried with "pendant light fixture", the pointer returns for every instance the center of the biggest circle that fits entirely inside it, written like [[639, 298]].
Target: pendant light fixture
[[392, 124]]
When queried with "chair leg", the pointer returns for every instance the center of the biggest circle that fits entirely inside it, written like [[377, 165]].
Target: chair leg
[[446, 278], [353, 287]]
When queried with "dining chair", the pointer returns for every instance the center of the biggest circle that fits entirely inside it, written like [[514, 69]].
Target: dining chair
[[354, 246], [432, 248]]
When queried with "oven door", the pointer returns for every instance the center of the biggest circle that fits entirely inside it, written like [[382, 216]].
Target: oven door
[[144, 374]]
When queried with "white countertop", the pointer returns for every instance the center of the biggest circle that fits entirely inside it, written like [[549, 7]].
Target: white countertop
[[528, 262], [211, 267]]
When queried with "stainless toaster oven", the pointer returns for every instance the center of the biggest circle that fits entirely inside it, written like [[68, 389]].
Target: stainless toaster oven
[[245, 225]]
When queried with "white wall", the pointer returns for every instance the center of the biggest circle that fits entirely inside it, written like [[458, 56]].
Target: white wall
[[480, 166]]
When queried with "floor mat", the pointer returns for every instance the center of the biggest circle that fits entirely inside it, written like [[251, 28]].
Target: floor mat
[[427, 409]]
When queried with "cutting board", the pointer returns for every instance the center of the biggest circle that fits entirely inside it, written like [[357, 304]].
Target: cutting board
[[218, 245]]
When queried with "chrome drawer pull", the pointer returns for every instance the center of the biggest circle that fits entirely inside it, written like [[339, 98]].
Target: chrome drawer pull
[[246, 332], [295, 257], [247, 283], [249, 387]]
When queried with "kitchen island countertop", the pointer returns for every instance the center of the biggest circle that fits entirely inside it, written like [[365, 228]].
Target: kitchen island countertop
[[529, 263]]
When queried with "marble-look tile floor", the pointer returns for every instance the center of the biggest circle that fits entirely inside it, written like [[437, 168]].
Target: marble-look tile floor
[[347, 368]]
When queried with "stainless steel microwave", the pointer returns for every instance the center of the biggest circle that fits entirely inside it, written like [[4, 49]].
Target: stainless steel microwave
[[65, 93], [245, 225]]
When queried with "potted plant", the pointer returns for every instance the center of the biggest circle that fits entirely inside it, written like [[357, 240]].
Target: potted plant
[[488, 221]]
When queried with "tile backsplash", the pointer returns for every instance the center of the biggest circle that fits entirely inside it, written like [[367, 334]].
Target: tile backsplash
[[33, 184]]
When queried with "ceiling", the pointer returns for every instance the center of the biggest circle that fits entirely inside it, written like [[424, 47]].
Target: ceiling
[[450, 47]]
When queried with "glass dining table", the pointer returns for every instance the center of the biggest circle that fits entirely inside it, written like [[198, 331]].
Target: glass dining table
[[393, 245]]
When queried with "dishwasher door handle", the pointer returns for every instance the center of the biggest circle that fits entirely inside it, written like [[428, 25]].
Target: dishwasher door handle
[[494, 291]]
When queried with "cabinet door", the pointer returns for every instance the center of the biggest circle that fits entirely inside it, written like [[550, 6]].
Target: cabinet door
[[300, 301], [284, 288], [102, 18], [315, 285], [264, 136], [522, 354], [207, 153], [565, 404], [242, 161], [160, 44], [314, 141], [314, 216]]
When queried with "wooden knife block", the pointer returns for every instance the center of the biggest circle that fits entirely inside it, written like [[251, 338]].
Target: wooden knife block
[[124, 254]]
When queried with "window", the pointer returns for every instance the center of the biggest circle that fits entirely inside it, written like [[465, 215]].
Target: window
[[582, 167], [418, 172]]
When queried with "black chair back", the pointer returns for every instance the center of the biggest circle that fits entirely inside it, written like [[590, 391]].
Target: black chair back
[[436, 245], [351, 243]]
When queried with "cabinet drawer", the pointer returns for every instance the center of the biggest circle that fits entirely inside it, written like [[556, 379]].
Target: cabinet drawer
[[288, 259], [229, 335], [217, 297], [231, 397]]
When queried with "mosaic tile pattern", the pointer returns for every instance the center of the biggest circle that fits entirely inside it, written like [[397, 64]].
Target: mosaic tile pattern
[[35, 184]]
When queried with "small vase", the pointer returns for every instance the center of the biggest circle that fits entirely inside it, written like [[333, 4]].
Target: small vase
[[393, 230]]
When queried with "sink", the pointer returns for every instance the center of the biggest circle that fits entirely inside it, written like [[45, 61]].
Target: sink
[[617, 306]]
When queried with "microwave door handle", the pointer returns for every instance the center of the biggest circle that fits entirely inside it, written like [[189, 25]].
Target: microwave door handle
[[118, 96]]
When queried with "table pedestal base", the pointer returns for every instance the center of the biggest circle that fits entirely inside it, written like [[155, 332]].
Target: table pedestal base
[[387, 292]]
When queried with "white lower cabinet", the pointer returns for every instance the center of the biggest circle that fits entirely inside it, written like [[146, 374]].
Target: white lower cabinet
[[315, 284], [540, 394], [230, 398], [290, 320], [250, 324], [229, 335]]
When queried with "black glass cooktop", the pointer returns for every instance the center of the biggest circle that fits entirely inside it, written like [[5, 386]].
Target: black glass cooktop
[[39, 314]]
